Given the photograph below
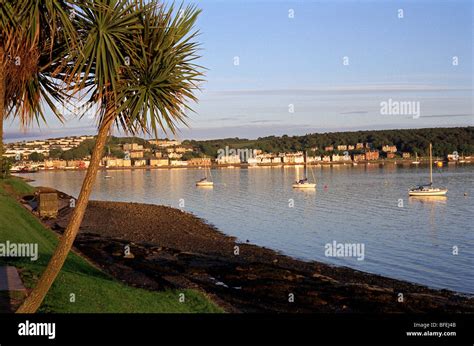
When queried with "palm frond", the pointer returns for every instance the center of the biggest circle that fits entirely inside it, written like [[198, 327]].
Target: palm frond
[[161, 81], [36, 37], [106, 30]]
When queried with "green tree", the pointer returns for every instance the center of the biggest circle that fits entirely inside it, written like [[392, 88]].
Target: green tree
[[118, 153], [55, 153], [36, 157], [138, 63], [34, 38]]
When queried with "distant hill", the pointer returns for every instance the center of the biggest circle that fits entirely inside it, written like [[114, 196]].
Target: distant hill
[[445, 141]]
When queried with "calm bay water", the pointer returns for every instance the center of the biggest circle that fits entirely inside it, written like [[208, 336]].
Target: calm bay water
[[359, 204]]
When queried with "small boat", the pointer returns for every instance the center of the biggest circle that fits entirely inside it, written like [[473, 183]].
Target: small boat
[[416, 162], [428, 189], [15, 169], [205, 182], [25, 169], [108, 177], [301, 184], [304, 183]]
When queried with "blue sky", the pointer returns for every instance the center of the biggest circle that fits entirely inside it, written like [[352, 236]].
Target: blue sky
[[291, 79]]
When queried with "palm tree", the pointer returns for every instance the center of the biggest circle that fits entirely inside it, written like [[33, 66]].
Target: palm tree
[[137, 64], [34, 38]]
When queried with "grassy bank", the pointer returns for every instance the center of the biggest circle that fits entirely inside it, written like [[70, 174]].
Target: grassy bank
[[94, 291]]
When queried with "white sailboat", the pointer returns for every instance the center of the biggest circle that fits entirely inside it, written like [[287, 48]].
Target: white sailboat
[[428, 190], [416, 162], [304, 183], [206, 181]]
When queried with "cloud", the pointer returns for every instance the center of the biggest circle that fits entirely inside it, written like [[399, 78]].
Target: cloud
[[12, 136], [264, 121], [227, 119], [366, 88]]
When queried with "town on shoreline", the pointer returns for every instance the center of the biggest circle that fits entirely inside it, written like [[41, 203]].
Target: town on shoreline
[[390, 146]]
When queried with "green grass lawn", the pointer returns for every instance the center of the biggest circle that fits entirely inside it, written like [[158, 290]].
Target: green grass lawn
[[94, 291]]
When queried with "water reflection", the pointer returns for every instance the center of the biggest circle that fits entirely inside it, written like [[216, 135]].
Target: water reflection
[[428, 200], [358, 204]]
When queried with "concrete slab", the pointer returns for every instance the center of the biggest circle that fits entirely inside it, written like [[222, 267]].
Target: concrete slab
[[10, 279]]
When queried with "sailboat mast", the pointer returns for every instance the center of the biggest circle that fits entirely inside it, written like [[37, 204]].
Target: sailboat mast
[[209, 168], [431, 164], [305, 165]]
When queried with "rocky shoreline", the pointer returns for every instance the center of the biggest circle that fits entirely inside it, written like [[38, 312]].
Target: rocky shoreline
[[158, 247]]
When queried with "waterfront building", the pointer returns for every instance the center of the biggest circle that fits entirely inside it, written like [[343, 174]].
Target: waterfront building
[[73, 163], [139, 163], [297, 157], [178, 163], [342, 147], [115, 162], [389, 148], [136, 154], [165, 143], [159, 162], [346, 158], [132, 147], [174, 155], [253, 161], [329, 148], [182, 150], [406, 155], [277, 160], [358, 157], [371, 155], [58, 164], [199, 161], [228, 159]]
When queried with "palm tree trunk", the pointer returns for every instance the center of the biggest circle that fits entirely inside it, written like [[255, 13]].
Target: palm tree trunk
[[36, 297]]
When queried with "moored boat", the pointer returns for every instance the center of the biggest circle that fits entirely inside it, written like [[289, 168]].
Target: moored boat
[[299, 185], [206, 181], [416, 162], [428, 189], [304, 183]]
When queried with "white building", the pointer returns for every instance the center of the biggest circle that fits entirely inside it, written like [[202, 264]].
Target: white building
[[230, 159], [178, 163]]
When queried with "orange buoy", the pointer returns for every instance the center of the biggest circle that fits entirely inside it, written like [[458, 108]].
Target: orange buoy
[[440, 164]]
